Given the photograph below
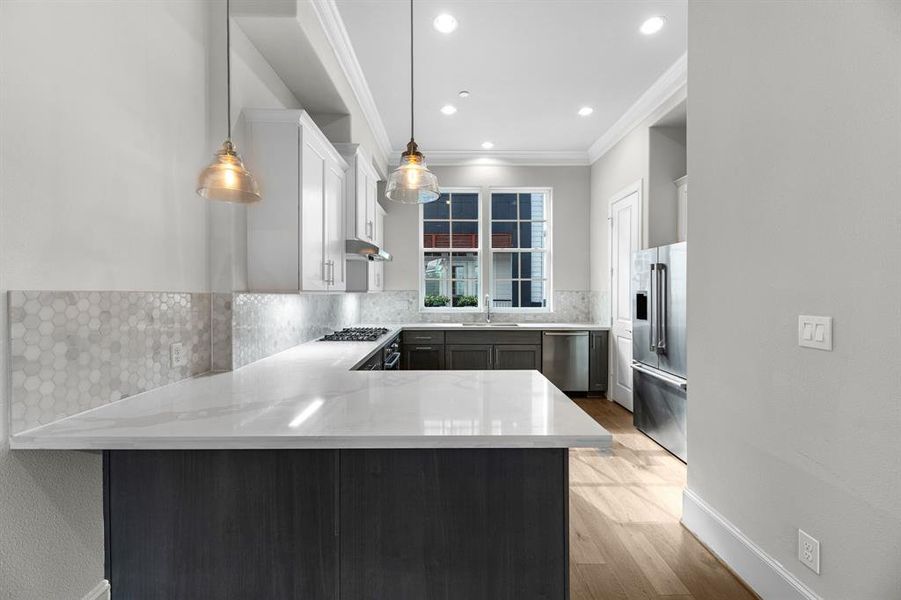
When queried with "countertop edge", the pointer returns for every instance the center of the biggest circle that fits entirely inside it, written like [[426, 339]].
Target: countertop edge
[[601, 443]]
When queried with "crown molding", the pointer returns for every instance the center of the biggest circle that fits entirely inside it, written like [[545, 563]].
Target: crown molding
[[673, 81], [338, 38], [534, 158]]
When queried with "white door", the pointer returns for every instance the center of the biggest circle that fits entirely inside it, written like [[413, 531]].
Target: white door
[[625, 231]]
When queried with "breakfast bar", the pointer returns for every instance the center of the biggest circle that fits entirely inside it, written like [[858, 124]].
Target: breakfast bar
[[299, 477]]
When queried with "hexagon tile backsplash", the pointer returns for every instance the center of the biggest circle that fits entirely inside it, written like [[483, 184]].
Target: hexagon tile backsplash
[[72, 351]]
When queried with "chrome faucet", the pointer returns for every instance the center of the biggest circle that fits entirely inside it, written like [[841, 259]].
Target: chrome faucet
[[487, 308]]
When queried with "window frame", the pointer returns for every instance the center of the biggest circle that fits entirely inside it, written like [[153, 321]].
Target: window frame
[[480, 307], [547, 250]]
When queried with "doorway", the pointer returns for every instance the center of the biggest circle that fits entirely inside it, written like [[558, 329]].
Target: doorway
[[625, 239]]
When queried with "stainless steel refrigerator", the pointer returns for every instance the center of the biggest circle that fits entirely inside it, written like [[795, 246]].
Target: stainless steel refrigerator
[[659, 362]]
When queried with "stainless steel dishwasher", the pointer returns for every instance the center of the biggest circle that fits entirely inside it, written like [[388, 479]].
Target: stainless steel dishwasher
[[564, 359]]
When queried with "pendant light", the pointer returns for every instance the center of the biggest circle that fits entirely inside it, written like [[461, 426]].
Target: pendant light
[[226, 179], [412, 182]]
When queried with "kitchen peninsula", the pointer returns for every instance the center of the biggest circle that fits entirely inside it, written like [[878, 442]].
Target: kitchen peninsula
[[298, 477]]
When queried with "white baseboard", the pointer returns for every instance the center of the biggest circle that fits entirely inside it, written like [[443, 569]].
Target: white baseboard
[[100, 592], [766, 576]]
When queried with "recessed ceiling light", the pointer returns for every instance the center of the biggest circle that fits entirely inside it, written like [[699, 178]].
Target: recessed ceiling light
[[448, 109], [445, 23], [585, 111], [652, 25], [487, 145], [464, 94]]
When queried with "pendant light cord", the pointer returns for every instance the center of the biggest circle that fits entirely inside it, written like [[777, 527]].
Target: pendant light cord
[[411, 69], [228, 68]]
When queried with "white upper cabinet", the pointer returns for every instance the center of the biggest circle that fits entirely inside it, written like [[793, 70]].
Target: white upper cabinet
[[362, 191], [295, 235], [377, 268], [334, 223]]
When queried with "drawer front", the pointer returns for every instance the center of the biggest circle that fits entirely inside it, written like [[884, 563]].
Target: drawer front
[[423, 336], [422, 358], [493, 337]]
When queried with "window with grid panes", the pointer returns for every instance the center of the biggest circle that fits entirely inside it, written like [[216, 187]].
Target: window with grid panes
[[518, 248], [450, 252]]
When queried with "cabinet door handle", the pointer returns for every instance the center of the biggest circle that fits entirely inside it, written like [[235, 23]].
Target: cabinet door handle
[[423, 348]]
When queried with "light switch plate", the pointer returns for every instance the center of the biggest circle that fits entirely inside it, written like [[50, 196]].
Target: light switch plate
[[815, 332]]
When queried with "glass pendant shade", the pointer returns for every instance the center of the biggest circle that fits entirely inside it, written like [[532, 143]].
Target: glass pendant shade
[[412, 182], [226, 179]]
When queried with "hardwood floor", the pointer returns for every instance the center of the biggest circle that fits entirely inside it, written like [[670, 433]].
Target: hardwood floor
[[626, 542]]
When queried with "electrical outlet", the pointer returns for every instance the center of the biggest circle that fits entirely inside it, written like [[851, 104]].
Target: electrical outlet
[[177, 355], [809, 551]]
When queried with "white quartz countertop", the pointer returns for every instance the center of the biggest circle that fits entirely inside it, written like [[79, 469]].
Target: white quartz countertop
[[308, 397]]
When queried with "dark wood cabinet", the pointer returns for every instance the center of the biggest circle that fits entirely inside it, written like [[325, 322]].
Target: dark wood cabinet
[[422, 336], [462, 357], [517, 356], [348, 524], [461, 524], [221, 524], [597, 361], [422, 357]]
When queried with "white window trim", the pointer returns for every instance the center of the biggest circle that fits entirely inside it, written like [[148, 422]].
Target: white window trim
[[422, 250], [548, 249]]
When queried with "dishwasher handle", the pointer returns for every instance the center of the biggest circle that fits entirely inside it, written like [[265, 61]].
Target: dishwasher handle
[[566, 333]]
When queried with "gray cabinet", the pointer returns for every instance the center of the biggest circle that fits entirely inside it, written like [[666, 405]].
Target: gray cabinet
[[483, 350], [517, 356], [462, 357], [222, 523], [503, 350], [598, 361], [425, 357]]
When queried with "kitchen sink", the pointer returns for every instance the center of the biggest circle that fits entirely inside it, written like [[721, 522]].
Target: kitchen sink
[[490, 324]]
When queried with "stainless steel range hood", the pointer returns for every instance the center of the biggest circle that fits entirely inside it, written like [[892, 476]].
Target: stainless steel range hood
[[365, 251]]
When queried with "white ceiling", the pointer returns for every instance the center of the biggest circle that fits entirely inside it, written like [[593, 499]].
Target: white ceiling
[[529, 64]]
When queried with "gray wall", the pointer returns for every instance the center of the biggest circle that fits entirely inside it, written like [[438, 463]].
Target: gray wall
[[794, 154], [625, 163], [570, 220], [667, 162], [107, 114]]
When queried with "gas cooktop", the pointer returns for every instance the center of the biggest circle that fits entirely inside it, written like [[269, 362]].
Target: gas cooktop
[[355, 334]]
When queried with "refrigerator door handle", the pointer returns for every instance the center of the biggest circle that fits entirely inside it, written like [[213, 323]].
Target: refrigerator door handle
[[652, 313], [670, 379], [661, 308]]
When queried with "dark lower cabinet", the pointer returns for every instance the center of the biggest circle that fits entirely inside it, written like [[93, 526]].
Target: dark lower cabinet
[[597, 361], [517, 356], [425, 357], [454, 524], [462, 357], [223, 524], [368, 524]]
